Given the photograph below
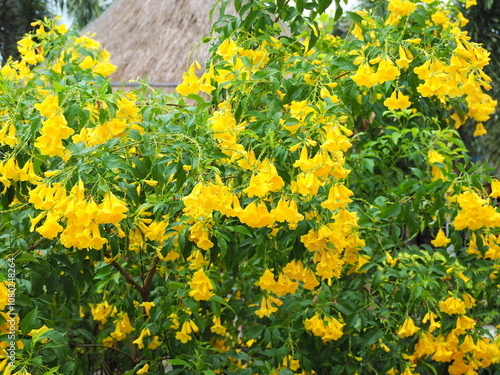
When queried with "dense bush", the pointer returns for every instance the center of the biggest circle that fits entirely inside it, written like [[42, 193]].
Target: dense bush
[[304, 206]]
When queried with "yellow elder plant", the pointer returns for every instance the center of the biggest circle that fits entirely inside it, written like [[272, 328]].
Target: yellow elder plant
[[303, 205]]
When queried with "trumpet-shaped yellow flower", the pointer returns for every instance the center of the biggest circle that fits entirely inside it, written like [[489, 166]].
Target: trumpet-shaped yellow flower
[[338, 197], [431, 318], [188, 328], [452, 305], [441, 239], [139, 341], [144, 369], [328, 329], [256, 215], [123, 327], [407, 329], [217, 326], [267, 307], [155, 343], [51, 227], [365, 76], [397, 100], [201, 286], [147, 307]]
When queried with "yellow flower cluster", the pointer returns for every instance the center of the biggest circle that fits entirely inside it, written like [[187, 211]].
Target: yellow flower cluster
[[8, 133], [201, 286], [99, 63], [335, 244], [155, 342], [127, 116], [10, 172], [294, 270], [191, 84], [367, 77], [122, 328], [188, 328], [102, 311], [465, 353], [226, 130], [475, 212], [54, 128], [82, 215], [327, 328]]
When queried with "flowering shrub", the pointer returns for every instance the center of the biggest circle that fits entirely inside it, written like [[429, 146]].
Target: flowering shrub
[[304, 206]]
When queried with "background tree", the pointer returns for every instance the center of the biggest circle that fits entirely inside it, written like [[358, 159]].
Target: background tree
[[16, 17]]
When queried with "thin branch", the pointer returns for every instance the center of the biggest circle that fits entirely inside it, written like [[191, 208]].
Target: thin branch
[[125, 274], [36, 244], [149, 278], [340, 76]]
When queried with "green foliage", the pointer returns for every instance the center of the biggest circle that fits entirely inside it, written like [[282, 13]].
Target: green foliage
[[305, 206]]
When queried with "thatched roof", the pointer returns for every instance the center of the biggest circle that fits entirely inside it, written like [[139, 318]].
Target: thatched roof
[[155, 40]]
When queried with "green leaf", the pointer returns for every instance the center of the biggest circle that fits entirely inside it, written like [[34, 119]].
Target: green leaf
[[222, 301], [354, 16], [222, 244], [28, 322], [391, 211], [26, 258], [178, 362]]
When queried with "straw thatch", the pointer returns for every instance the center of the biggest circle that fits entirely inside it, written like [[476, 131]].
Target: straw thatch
[[154, 40]]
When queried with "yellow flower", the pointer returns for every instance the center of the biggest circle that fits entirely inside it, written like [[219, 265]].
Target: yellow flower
[[365, 76], [401, 7], [285, 286], [407, 329], [112, 210], [452, 305], [495, 188], [36, 333], [441, 239], [480, 130], [144, 369], [184, 335], [50, 227], [397, 100], [405, 58], [338, 197], [306, 184], [8, 134], [434, 157], [386, 71], [390, 260], [470, 3], [256, 215], [155, 343], [463, 324], [201, 286], [287, 211], [266, 307], [147, 307], [468, 300], [123, 327], [468, 344], [328, 328], [218, 327], [266, 281], [140, 344], [431, 317]]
